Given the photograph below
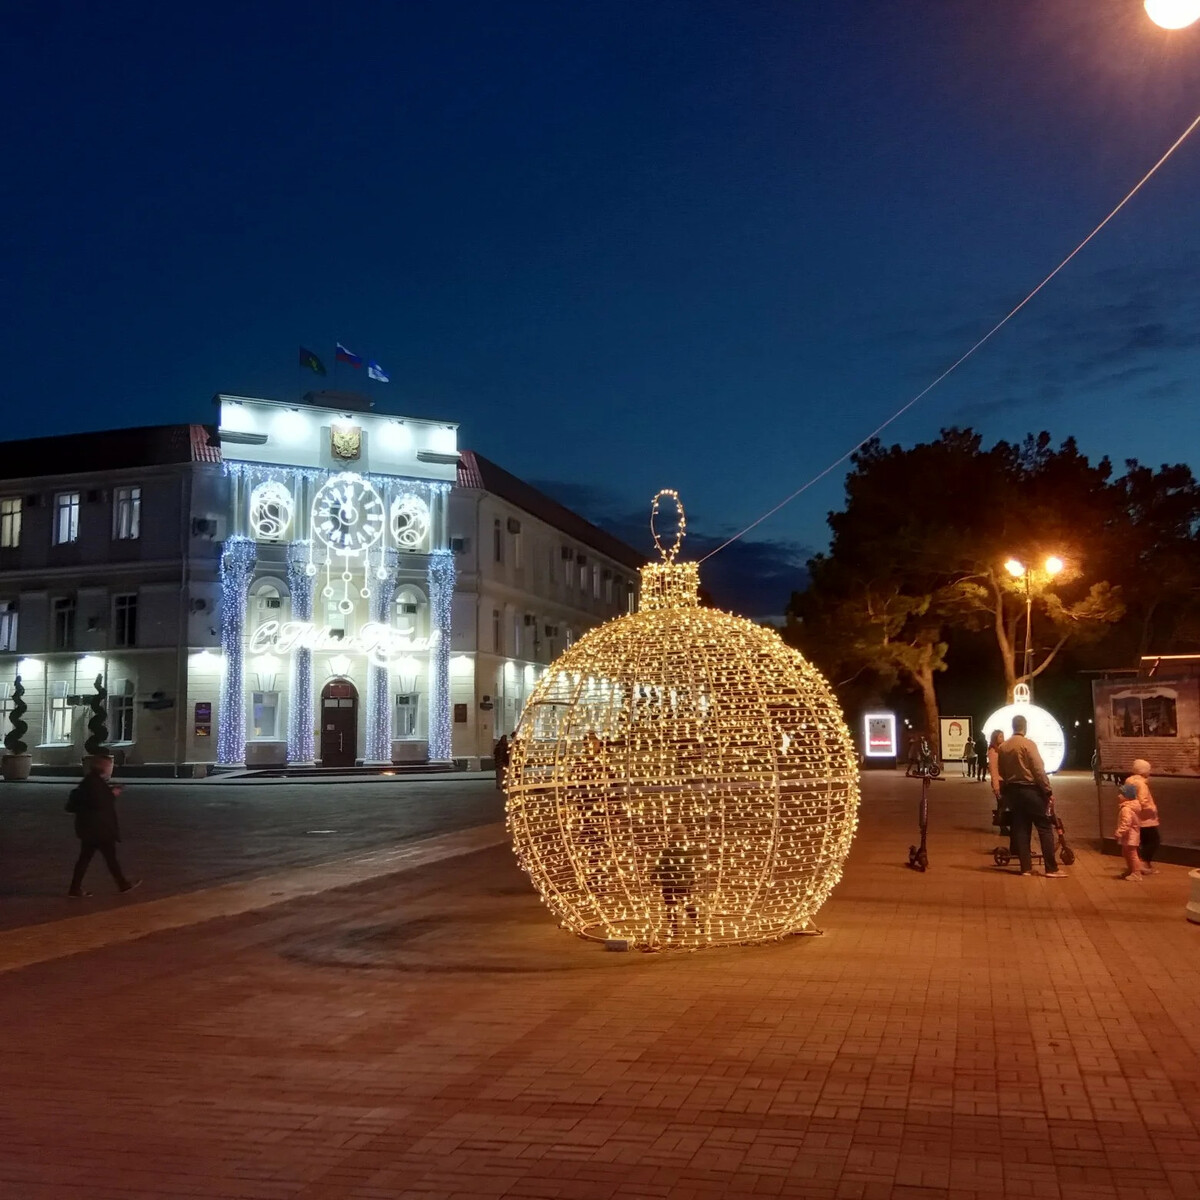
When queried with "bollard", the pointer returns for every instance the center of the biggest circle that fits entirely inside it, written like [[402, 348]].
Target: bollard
[[1193, 904]]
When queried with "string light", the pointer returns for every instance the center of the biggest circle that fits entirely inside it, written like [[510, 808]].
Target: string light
[[237, 567], [379, 714], [680, 777], [301, 748], [441, 597]]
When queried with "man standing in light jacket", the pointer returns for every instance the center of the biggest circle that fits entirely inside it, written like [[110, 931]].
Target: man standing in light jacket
[[1026, 791]]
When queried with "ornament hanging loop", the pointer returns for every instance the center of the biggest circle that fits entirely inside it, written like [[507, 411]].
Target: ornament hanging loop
[[668, 554]]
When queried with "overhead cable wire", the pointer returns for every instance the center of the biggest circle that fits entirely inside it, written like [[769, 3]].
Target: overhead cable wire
[[1137, 187]]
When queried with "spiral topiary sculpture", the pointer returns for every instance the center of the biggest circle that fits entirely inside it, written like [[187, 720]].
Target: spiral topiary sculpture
[[13, 740], [98, 725]]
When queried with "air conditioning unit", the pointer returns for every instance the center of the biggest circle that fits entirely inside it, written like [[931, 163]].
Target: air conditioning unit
[[272, 602], [458, 545], [210, 527], [409, 610], [514, 526]]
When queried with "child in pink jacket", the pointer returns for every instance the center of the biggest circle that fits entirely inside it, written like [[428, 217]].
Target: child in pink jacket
[[1147, 815], [1128, 832]]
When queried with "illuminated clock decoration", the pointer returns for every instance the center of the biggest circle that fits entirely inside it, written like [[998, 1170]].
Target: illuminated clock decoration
[[271, 510], [348, 517], [680, 777], [1043, 729], [409, 522]]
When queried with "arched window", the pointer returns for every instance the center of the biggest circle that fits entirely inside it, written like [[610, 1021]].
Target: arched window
[[269, 601], [412, 611]]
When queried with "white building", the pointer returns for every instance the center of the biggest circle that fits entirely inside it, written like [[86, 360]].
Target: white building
[[281, 589], [532, 577]]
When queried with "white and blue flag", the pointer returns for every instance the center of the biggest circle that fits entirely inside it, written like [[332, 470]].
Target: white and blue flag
[[376, 372]]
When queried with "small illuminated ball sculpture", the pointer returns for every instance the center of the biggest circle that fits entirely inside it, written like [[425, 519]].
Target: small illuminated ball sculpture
[[1043, 728], [681, 778]]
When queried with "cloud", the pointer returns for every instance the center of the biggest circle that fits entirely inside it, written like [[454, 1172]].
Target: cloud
[[752, 577]]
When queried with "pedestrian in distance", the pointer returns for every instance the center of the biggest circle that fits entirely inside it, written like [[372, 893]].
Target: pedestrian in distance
[[969, 758], [500, 758], [1128, 832], [1147, 815], [983, 747], [675, 875], [93, 801], [1026, 791]]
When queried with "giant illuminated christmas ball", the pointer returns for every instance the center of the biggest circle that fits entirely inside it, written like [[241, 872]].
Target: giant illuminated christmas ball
[[680, 777]]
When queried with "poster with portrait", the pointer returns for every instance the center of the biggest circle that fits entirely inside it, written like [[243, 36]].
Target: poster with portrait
[[956, 737]]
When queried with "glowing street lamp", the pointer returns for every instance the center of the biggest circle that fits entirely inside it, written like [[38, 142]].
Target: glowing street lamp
[[1173, 14], [1017, 570]]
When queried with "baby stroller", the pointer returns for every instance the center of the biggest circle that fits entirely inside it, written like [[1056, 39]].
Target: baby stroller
[[1003, 855]]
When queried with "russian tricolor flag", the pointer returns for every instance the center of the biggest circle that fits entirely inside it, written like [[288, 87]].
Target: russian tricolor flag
[[344, 355]]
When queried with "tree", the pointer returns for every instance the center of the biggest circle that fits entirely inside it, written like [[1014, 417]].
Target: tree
[[919, 550], [14, 740], [98, 725]]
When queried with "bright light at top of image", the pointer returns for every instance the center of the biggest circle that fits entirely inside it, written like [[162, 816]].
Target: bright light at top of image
[[1173, 14]]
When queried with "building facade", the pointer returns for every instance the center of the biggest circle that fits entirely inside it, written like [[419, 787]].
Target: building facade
[[299, 584], [532, 577]]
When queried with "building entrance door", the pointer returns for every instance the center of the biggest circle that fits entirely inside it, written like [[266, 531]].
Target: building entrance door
[[339, 724]]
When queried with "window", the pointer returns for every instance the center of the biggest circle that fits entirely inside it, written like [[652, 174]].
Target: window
[[412, 613], [58, 715], [518, 558], [10, 522], [5, 703], [567, 561], [498, 541], [66, 518], [497, 633], [125, 619], [120, 711], [583, 575], [127, 513], [630, 598], [8, 625], [265, 714], [595, 583], [608, 587], [64, 622], [407, 704]]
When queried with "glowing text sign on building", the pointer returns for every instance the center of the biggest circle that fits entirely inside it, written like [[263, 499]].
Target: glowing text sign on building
[[382, 643]]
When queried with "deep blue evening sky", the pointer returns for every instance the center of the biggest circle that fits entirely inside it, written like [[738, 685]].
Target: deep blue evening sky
[[627, 245]]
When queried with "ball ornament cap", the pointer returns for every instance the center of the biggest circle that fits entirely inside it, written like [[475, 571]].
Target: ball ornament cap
[[680, 777]]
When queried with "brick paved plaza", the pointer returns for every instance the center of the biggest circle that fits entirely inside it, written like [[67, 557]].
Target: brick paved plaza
[[407, 1021]]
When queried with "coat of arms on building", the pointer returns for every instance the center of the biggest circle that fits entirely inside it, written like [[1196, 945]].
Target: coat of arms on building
[[345, 441]]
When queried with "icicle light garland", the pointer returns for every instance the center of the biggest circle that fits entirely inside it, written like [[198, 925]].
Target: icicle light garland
[[301, 746], [441, 598], [379, 713], [237, 567], [680, 777]]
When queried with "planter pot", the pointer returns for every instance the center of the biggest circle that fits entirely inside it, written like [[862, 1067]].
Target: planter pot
[[89, 759], [16, 766], [1193, 904]]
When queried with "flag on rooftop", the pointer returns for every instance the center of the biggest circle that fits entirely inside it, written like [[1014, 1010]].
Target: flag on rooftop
[[376, 372], [347, 356], [311, 361]]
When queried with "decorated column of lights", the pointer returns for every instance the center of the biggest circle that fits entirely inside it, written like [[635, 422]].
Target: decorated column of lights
[[237, 567], [300, 711], [379, 714], [441, 596], [680, 777]]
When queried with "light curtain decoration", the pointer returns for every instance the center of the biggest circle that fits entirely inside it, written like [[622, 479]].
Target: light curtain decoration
[[379, 712], [441, 597], [301, 749], [237, 567], [681, 778]]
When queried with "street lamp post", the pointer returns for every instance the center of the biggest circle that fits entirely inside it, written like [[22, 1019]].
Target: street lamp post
[[1019, 570]]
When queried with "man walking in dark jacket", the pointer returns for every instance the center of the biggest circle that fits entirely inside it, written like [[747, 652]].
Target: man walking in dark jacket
[[93, 801]]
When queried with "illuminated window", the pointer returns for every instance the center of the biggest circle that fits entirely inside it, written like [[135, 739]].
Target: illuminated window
[[127, 513], [125, 619], [58, 715], [66, 518], [407, 704], [120, 711], [10, 522], [8, 625], [64, 622], [265, 714]]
